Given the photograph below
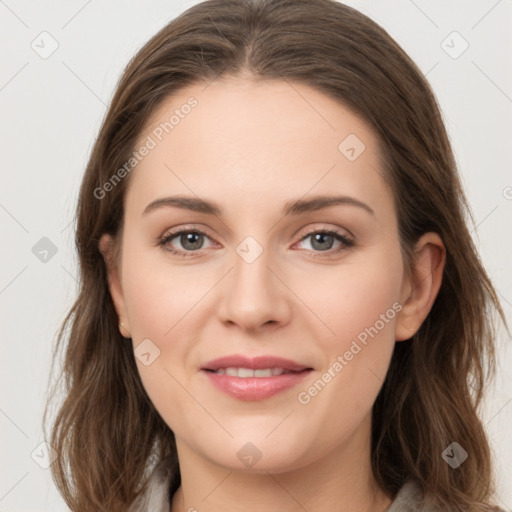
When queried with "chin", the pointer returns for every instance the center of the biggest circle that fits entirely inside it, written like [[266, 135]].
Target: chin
[[255, 454]]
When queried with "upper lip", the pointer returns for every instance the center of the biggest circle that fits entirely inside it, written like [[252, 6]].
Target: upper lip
[[254, 363]]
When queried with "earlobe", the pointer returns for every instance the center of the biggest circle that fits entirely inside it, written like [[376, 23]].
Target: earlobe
[[114, 283], [422, 287]]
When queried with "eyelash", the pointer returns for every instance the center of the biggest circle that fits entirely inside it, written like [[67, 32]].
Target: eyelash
[[346, 242]]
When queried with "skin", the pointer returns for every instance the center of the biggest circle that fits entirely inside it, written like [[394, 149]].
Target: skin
[[251, 146]]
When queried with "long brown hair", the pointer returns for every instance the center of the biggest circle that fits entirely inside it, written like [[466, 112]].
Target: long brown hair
[[107, 432]]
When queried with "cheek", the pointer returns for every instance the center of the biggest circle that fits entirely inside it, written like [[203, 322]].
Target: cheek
[[160, 303], [159, 295], [360, 306], [359, 296]]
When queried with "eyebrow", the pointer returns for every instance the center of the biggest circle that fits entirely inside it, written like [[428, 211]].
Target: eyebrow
[[294, 207]]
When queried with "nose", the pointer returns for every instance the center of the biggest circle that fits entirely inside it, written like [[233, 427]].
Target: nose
[[254, 296]]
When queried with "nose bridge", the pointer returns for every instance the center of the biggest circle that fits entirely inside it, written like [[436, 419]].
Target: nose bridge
[[251, 277], [254, 296]]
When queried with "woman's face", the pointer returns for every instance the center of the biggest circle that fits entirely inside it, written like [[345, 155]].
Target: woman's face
[[256, 278]]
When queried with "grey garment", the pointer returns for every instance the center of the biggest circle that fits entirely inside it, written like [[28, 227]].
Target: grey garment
[[408, 499], [156, 496]]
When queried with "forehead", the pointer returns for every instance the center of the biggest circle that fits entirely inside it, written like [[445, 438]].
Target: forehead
[[252, 142]]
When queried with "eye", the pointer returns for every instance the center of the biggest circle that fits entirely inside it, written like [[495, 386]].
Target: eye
[[191, 240], [323, 241]]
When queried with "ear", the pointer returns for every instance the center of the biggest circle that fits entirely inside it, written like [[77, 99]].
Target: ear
[[422, 286], [114, 283]]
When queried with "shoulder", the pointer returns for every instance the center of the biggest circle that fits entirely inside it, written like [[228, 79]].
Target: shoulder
[[410, 498], [155, 496]]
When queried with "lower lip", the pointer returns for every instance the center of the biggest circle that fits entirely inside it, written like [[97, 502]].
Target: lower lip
[[255, 388]]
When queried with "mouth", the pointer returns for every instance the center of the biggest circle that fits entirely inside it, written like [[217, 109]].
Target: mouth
[[254, 378], [245, 373]]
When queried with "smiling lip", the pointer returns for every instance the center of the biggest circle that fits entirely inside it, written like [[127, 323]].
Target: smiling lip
[[254, 388]]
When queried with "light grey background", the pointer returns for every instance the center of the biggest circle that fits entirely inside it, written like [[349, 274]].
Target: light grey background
[[51, 109]]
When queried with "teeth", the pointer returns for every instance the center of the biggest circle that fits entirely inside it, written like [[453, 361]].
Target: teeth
[[243, 372], [264, 373], [248, 372]]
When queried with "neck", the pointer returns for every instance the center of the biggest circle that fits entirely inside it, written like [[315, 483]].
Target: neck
[[340, 481]]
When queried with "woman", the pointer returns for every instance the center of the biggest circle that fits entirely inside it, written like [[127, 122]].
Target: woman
[[320, 345]]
